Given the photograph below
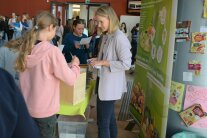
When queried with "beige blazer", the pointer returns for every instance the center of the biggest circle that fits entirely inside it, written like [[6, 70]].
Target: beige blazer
[[116, 49]]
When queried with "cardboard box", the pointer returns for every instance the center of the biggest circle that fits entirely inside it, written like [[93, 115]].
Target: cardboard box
[[76, 93]]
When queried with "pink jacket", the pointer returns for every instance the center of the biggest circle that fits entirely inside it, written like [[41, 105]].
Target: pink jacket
[[45, 67]]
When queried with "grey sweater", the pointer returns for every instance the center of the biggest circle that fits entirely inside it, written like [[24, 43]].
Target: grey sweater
[[7, 62]]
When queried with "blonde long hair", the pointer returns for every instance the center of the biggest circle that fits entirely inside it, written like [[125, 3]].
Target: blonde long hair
[[42, 21], [108, 12], [91, 27], [14, 45]]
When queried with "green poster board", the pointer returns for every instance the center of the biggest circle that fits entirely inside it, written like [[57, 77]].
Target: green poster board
[[151, 88], [154, 36]]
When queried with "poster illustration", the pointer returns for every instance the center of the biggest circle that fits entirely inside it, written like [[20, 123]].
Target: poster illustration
[[198, 42], [151, 89], [154, 33], [195, 65], [192, 114], [205, 9], [147, 105], [196, 95], [138, 98], [176, 95], [183, 30]]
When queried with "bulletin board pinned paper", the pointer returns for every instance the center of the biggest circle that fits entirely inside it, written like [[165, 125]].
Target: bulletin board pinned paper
[[176, 95], [205, 9], [196, 95], [199, 42]]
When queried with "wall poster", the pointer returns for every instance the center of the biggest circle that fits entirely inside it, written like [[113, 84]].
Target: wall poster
[[199, 42], [151, 89], [176, 96], [205, 9], [183, 31], [134, 7], [196, 95]]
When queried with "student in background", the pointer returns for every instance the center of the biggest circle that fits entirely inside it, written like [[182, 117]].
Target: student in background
[[114, 59], [17, 27], [8, 56], [15, 121], [25, 25], [26, 22], [68, 28], [77, 17], [123, 28], [59, 31], [11, 28], [29, 21], [92, 31], [134, 43], [3, 30], [42, 66], [72, 43]]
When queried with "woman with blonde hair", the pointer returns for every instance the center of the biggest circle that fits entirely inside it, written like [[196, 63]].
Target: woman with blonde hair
[[114, 59], [42, 66]]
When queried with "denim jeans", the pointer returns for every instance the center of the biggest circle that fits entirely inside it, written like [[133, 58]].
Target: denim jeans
[[134, 51], [106, 121]]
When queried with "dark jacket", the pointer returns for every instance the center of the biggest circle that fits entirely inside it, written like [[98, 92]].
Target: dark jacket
[[69, 48], [15, 121]]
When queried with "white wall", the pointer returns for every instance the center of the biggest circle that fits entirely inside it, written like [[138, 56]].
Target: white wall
[[83, 12], [92, 11], [130, 21], [70, 11]]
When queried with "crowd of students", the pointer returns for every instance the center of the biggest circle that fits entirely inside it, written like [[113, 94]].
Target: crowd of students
[[38, 67]]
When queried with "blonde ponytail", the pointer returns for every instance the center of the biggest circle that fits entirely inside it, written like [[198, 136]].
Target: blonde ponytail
[[42, 21], [25, 49]]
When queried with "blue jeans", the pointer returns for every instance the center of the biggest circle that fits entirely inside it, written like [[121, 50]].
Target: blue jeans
[[106, 121], [134, 51]]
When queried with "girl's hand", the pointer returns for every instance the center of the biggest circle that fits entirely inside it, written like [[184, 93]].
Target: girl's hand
[[75, 61], [77, 45]]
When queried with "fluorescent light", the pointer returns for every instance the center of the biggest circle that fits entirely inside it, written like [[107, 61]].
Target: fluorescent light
[[76, 6], [76, 9]]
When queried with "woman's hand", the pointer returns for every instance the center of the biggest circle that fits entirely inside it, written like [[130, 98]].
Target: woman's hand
[[91, 60], [94, 62]]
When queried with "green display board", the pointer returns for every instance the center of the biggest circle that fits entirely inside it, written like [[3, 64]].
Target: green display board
[[151, 88]]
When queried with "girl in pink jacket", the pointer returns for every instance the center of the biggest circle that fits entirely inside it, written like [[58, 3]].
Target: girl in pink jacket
[[42, 66]]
